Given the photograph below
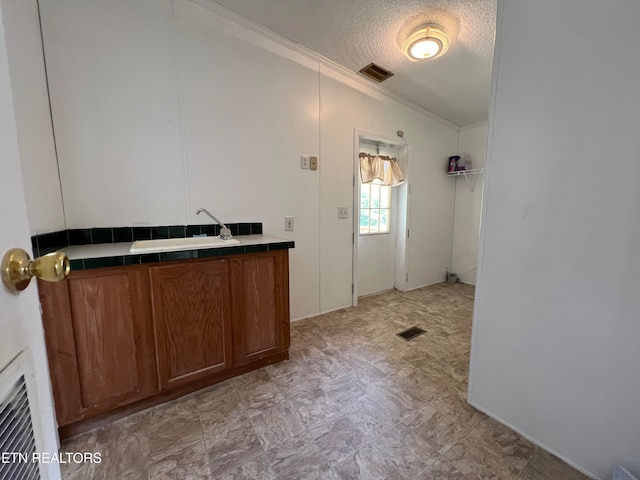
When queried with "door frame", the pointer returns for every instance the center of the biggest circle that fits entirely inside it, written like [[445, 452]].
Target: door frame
[[359, 134]]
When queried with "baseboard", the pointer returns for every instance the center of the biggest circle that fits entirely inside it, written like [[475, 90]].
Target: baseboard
[[425, 285], [313, 315], [377, 293], [534, 441]]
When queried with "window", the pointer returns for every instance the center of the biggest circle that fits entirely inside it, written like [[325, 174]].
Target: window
[[375, 208]]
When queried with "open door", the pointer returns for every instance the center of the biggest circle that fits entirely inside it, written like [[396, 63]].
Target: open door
[[25, 392], [380, 220]]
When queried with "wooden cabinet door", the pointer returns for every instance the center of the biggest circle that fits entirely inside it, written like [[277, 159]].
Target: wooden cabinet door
[[260, 292], [100, 340], [191, 303]]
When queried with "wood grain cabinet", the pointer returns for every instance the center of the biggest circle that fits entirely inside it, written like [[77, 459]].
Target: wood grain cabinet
[[100, 340], [192, 308], [260, 285], [123, 338]]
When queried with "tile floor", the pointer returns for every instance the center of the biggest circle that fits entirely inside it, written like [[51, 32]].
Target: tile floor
[[354, 402]]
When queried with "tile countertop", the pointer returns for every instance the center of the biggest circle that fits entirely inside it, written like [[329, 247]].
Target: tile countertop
[[117, 254]]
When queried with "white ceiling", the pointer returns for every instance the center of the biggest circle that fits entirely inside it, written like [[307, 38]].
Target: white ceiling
[[354, 33]]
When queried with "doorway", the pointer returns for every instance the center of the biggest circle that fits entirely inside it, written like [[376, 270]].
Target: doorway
[[380, 221]]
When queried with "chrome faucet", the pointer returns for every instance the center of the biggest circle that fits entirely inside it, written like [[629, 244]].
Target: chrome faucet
[[225, 233]]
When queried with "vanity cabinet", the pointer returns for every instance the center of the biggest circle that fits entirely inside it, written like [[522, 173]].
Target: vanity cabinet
[[100, 340], [120, 339], [192, 311]]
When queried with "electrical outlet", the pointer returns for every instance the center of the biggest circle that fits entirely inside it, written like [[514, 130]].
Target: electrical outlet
[[304, 162], [288, 224], [343, 212], [313, 163]]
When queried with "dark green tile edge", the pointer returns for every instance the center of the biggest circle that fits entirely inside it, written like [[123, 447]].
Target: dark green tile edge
[[88, 263], [54, 241]]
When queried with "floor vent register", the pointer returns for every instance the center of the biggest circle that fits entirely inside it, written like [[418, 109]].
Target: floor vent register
[[410, 333]]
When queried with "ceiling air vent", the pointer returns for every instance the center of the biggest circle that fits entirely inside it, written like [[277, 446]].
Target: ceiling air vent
[[376, 72]]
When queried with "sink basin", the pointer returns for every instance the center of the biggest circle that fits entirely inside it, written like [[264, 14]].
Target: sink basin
[[173, 244]]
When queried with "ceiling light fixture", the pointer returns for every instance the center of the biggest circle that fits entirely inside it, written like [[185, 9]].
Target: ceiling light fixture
[[429, 41]]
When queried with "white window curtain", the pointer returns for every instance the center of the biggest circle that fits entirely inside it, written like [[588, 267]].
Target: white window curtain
[[383, 168]]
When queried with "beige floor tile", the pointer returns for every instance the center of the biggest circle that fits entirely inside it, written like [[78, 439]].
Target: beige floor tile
[[277, 424], [513, 450], [218, 409], [337, 438], [188, 464], [139, 475], [232, 448], [437, 429], [353, 401], [259, 396], [124, 447], [369, 417], [313, 406], [256, 469], [81, 443], [367, 464], [173, 436], [173, 427], [296, 381], [407, 451], [491, 449], [475, 462], [330, 475], [345, 391], [454, 406], [545, 466], [185, 407], [396, 401], [299, 458], [441, 470]]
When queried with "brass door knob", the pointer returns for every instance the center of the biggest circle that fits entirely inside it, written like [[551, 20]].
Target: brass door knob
[[18, 268]]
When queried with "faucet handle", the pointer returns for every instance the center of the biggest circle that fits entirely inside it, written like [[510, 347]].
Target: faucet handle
[[225, 234]]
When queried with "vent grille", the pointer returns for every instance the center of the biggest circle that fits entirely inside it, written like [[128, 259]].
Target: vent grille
[[410, 333], [16, 435], [376, 72]]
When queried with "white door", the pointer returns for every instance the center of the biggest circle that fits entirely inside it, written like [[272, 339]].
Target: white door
[[21, 333]]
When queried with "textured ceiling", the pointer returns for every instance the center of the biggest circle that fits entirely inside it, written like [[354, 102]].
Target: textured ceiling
[[354, 33]]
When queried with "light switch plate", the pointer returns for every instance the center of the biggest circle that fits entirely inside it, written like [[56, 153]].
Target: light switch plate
[[343, 212], [313, 163], [288, 224], [304, 162]]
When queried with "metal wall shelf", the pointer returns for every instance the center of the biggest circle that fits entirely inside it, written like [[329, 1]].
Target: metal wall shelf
[[465, 174]]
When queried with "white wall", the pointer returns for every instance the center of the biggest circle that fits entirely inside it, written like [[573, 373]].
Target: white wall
[[113, 83], [556, 327], [33, 120], [472, 145], [161, 107], [430, 200], [248, 116], [344, 110]]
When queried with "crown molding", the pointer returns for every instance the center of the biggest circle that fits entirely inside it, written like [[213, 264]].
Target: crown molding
[[260, 36], [473, 125]]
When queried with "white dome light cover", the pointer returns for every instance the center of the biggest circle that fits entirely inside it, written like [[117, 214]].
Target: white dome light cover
[[428, 42]]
